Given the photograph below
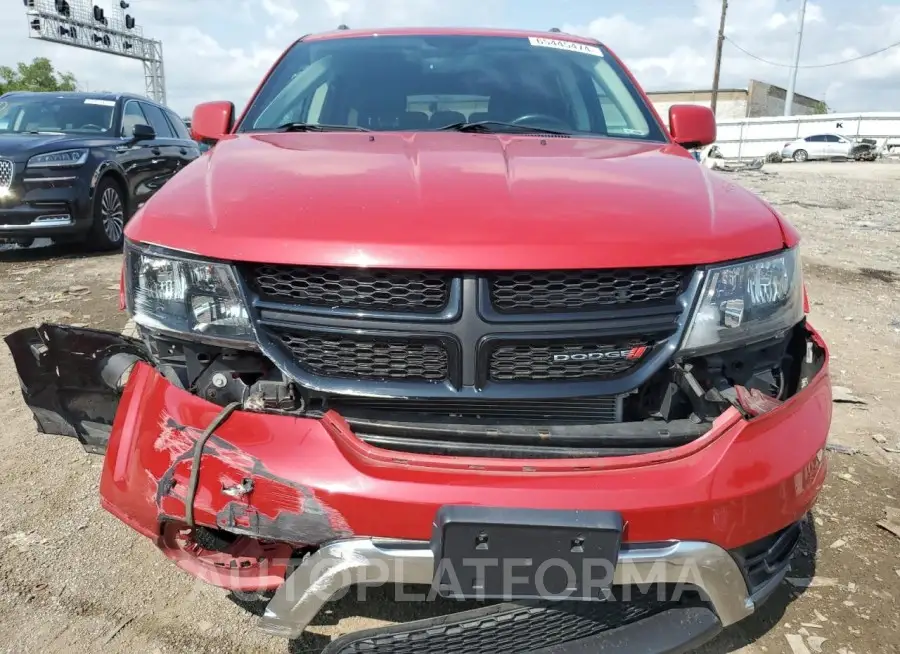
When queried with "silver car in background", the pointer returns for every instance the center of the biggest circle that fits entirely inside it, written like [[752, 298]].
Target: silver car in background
[[818, 146]]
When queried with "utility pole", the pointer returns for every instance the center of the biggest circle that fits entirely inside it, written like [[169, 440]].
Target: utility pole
[[789, 98], [719, 43]]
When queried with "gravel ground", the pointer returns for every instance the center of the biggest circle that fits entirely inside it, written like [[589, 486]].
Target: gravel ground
[[72, 578]]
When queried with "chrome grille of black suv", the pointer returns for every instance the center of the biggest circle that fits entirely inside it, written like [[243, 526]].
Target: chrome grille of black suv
[[352, 288], [581, 359], [367, 358], [585, 290], [6, 174]]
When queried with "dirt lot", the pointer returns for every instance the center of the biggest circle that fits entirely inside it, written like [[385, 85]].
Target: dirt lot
[[74, 579]]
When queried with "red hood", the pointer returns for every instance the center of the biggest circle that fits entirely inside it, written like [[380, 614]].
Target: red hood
[[451, 200]]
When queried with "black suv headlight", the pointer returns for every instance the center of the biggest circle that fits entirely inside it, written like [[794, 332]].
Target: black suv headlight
[[59, 159], [172, 292], [745, 302]]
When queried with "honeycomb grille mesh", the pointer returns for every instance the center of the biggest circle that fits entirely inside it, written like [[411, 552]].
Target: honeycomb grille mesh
[[522, 628], [373, 359], [6, 173], [586, 290], [351, 288], [565, 361]]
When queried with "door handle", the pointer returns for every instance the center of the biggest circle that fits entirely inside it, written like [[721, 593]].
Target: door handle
[[183, 150], [155, 150]]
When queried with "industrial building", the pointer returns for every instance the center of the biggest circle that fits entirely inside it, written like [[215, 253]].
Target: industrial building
[[758, 100]]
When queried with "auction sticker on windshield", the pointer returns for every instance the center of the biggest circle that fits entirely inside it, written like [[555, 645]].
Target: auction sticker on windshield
[[572, 46]]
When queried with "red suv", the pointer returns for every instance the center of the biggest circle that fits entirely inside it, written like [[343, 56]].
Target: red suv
[[454, 308]]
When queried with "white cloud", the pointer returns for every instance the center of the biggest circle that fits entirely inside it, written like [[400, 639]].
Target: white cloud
[[667, 52]]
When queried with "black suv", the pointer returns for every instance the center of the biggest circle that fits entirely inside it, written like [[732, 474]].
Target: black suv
[[75, 166]]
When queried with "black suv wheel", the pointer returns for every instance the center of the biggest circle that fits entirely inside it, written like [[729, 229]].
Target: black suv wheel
[[110, 214]]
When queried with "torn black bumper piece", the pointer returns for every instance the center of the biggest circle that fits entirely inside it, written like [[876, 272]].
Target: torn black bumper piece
[[641, 626], [72, 378]]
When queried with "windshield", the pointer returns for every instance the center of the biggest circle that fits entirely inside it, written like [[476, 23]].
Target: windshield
[[54, 114], [417, 83]]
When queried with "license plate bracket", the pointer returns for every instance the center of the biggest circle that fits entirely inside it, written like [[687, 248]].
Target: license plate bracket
[[517, 554]]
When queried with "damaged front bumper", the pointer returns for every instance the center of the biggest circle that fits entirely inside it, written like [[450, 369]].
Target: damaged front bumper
[[274, 487]]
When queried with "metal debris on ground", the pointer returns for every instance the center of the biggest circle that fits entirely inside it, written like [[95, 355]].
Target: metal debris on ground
[[815, 643], [844, 395], [795, 641], [841, 449], [891, 521], [813, 582], [712, 158]]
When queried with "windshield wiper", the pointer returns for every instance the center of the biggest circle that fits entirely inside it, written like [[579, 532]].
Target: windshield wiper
[[312, 127], [499, 127]]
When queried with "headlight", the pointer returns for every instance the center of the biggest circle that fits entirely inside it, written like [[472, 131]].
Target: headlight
[[61, 159], [174, 293], [746, 302]]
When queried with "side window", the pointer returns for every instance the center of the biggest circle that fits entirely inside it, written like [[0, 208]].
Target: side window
[[158, 121], [831, 138], [131, 116], [178, 126], [818, 138]]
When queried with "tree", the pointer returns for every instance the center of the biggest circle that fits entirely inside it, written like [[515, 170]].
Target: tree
[[39, 75], [821, 108]]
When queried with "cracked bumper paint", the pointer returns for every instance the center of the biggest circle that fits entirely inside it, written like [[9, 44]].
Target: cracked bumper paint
[[312, 481]]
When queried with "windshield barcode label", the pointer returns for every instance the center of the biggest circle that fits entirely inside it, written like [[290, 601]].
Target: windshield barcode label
[[565, 45]]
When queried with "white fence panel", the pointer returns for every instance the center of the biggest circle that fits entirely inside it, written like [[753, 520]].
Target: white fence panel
[[757, 137]]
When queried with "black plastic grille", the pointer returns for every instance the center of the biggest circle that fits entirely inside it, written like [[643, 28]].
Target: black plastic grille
[[519, 628], [761, 560], [578, 410], [586, 290], [369, 358], [565, 361], [352, 288]]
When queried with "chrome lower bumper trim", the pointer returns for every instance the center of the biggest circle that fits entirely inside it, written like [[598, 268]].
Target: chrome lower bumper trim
[[43, 222], [374, 561]]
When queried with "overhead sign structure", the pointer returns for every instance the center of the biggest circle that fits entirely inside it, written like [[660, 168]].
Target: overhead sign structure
[[81, 24]]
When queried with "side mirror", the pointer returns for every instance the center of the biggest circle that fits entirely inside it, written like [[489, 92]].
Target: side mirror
[[692, 126], [143, 133], [212, 120]]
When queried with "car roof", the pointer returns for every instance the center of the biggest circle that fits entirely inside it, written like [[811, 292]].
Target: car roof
[[81, 95], [438, 31]]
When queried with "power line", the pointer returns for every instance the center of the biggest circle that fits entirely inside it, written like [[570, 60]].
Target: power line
[[829, 65]]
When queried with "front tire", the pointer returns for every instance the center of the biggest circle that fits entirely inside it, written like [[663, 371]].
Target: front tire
[[109, 215], [800, 156]]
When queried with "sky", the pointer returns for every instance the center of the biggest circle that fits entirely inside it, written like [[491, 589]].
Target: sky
[[220, 49]]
